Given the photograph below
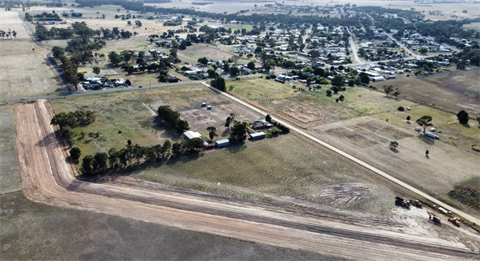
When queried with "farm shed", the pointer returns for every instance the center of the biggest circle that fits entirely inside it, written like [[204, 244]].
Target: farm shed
[[261, 124], [378, 79], [222, 143], [257, 136], [191, 135]]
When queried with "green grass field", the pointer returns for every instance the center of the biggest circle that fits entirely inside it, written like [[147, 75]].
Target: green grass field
[[260, 89]]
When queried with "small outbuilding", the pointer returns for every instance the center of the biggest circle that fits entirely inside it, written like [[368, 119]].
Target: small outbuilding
[[222, 143], [260, 124], [191, 135], [257, 136]]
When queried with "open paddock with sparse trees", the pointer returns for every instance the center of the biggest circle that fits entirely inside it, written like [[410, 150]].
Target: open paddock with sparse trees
[[451, 91], [12, 23]]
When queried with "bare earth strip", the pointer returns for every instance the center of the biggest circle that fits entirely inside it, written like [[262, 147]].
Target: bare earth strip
[[48, 178]]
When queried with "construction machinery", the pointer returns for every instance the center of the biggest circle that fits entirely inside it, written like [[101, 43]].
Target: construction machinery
[[417, 203], [434, 218], [455, 221], [402, 202]]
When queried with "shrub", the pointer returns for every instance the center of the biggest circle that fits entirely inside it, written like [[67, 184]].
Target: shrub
[[267, 77], [75, 153], [400, 108], [329, 93], [275, 131]]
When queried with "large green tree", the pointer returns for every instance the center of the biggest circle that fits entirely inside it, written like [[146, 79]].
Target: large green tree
[[338, 80], [75, 154], [462, 117], [239, 132], [424, 121], [114, 58]]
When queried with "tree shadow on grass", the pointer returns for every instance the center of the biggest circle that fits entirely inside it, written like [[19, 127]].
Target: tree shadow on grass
[[426, 139], [237, 148]]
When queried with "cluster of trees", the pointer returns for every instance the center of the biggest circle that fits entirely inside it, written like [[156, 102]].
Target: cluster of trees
[[8, 34], [69, 68], [467, 54], [68, 121], [129, 56], [81, 30], [172, 118], [81, 53], [46, 16], [78, 29], [130, 5], [278, 128], [219, 83]]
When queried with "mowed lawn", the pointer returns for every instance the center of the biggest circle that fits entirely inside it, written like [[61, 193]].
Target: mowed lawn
[[451, 91], [282, 166]]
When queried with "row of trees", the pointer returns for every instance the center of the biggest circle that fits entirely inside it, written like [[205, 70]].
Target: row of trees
[[8, 34], [81, 30], [172, 118], [135, 155]]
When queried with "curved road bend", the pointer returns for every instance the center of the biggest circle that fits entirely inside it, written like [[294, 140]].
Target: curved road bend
[[356, 160]]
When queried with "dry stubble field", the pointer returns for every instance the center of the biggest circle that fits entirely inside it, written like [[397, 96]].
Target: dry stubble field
[[451, 91], [10, 20], [24, 72]]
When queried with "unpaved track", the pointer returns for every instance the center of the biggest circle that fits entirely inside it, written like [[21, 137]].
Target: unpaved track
[[48, 178]]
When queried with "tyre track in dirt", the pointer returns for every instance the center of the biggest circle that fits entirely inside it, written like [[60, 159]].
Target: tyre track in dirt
[[48, 178]]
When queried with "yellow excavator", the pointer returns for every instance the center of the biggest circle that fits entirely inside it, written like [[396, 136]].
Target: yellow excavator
[[455, 221], [434, 218]]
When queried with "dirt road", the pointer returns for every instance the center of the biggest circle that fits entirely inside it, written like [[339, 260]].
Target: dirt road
[[48, 178]]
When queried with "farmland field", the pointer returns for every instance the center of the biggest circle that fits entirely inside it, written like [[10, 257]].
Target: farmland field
[[9, 175], [16, 46], [474, 26], [451, 91], [11, 21], [313, 107], [25, 74], [33, 231], [203, 50], [368, 138]]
